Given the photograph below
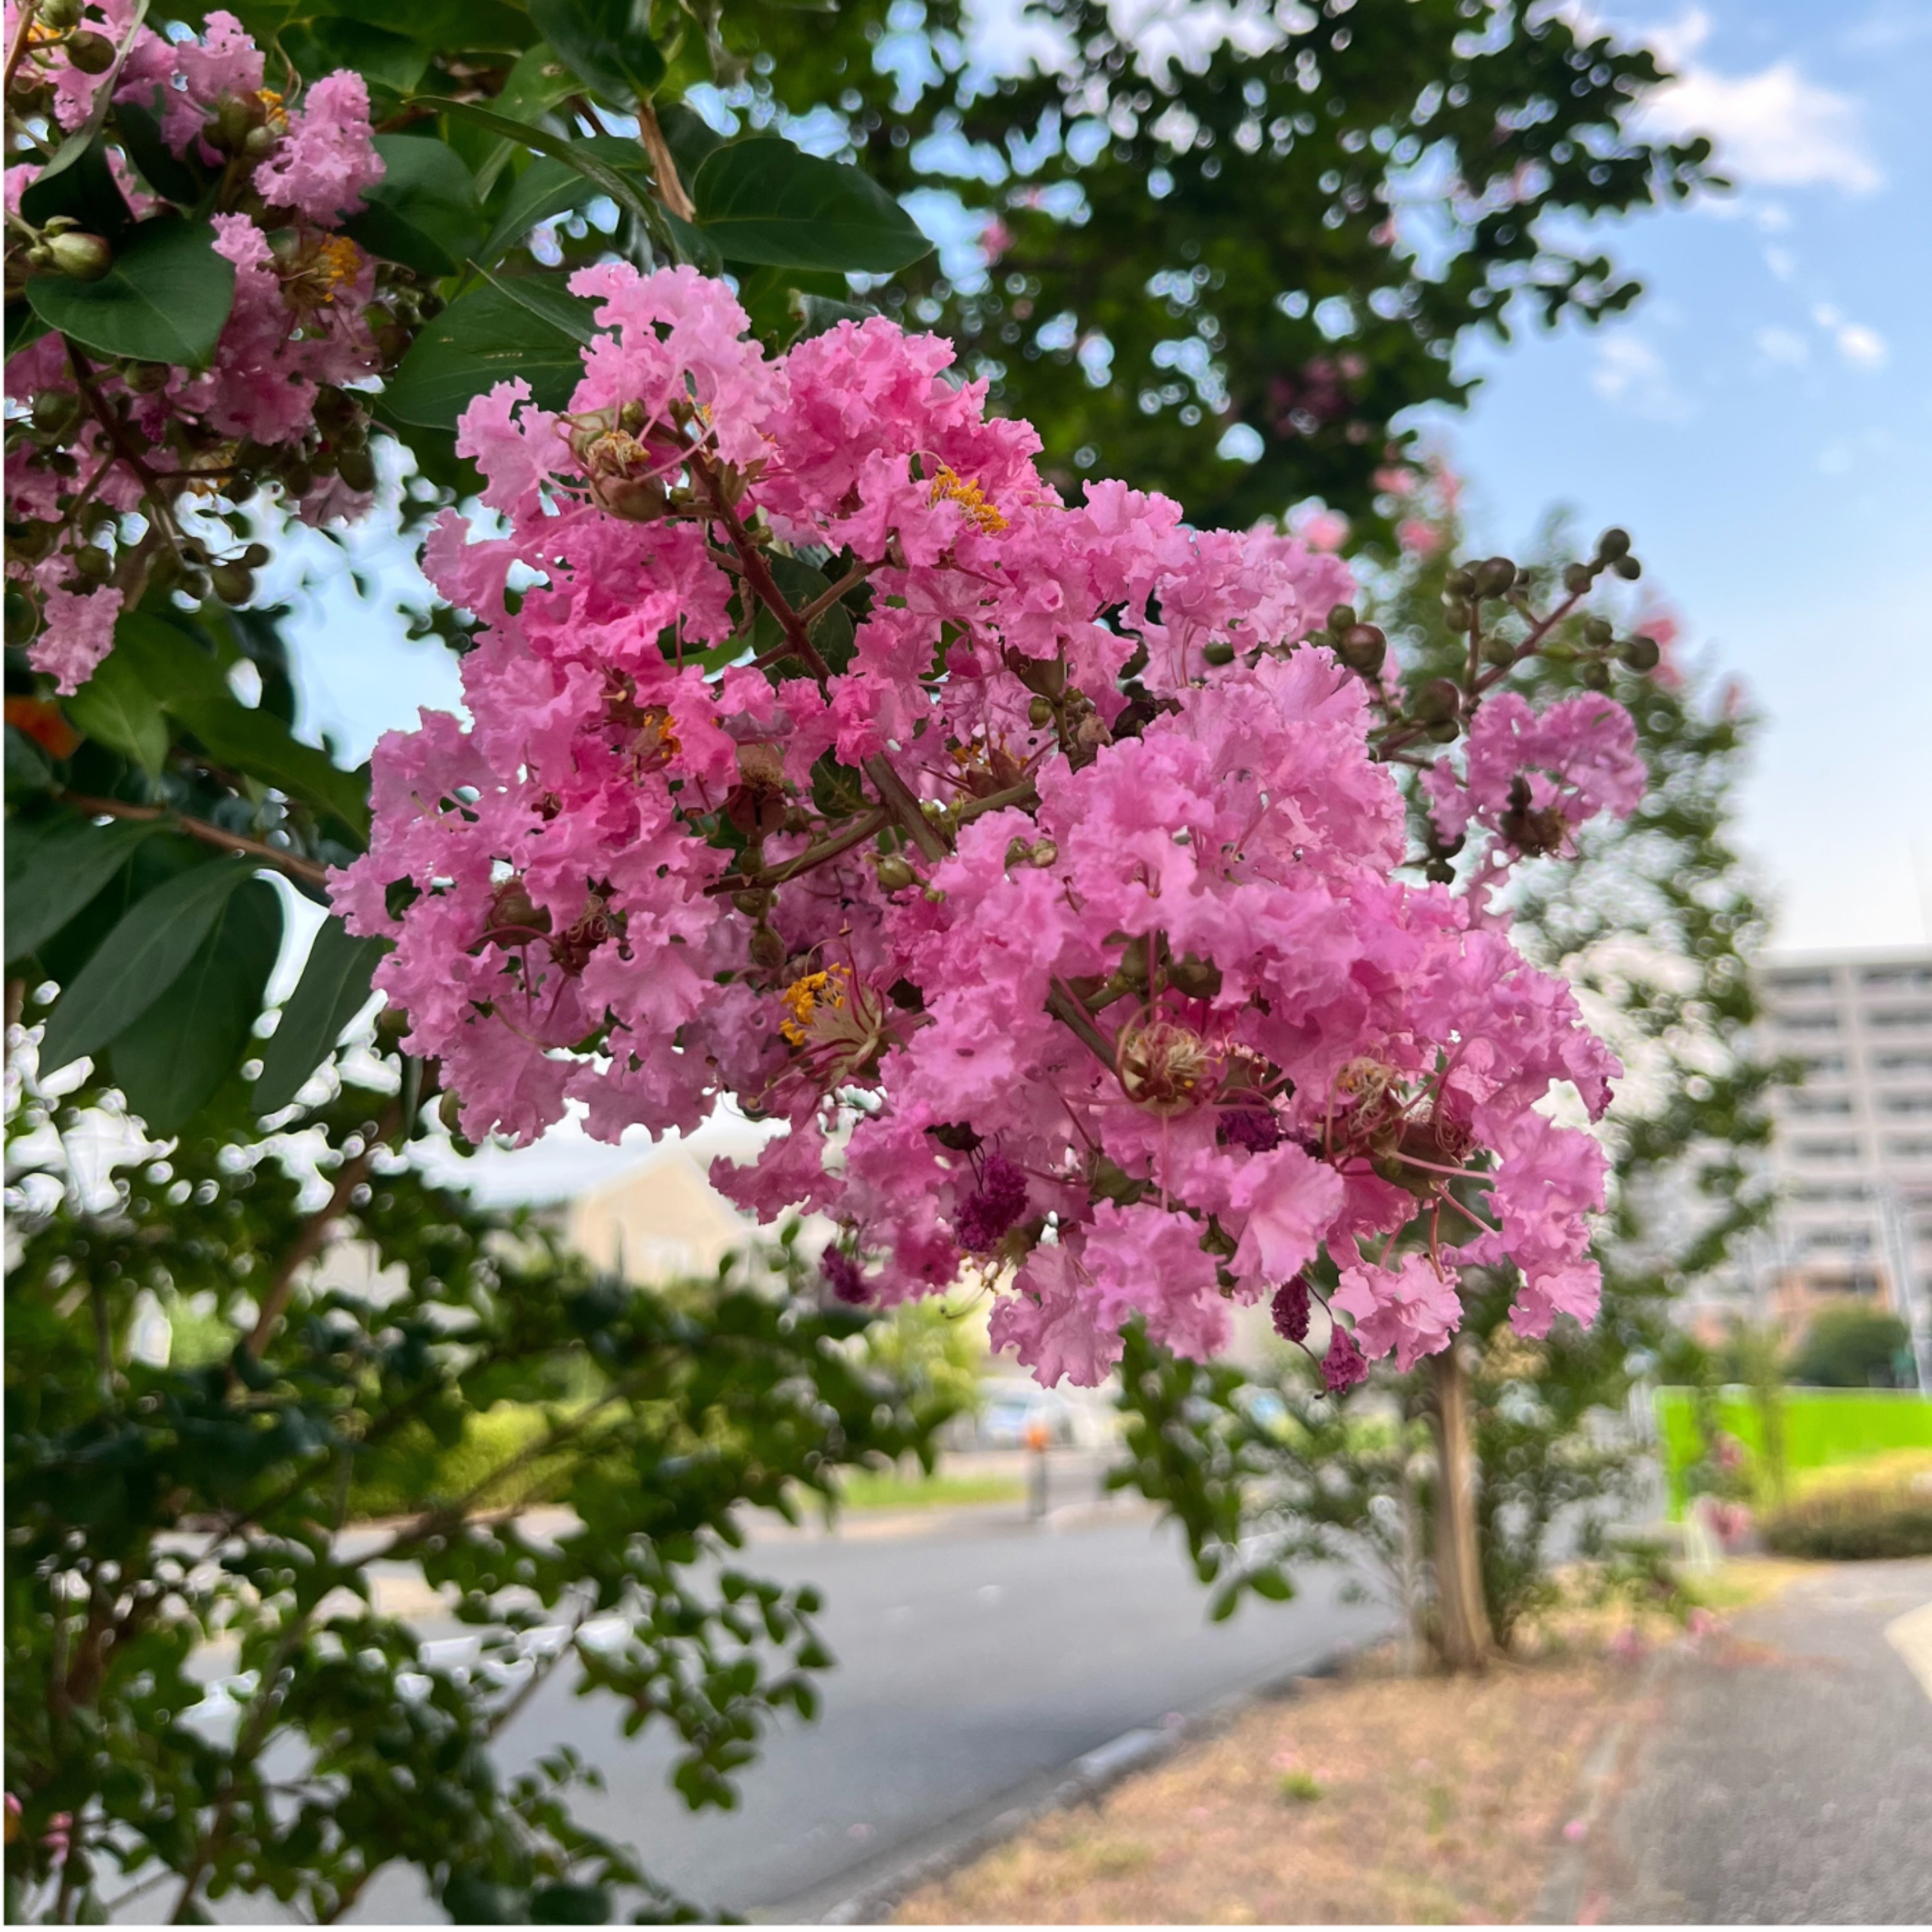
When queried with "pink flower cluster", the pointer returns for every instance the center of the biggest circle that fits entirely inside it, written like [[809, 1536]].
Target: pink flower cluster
[[299, 322], [1058, 925]]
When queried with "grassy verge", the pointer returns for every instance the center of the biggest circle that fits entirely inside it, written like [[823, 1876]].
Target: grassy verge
[[882, 1489]]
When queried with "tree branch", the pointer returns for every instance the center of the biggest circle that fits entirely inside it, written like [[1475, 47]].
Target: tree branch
[[311, 871]]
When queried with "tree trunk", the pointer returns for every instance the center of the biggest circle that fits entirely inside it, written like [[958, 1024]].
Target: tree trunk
[[1466, 1641]]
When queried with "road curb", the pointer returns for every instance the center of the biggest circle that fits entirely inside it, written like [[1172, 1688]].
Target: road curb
[[1085, 1781]]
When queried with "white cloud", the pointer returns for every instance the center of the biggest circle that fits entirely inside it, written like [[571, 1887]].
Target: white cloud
[[1783, 348], [1774, 128], [1631, 375], [1863, 348], [1782, 263]]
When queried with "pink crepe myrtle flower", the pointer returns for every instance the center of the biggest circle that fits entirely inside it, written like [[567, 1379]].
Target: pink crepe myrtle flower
[[328, 160], [1121, 1005]]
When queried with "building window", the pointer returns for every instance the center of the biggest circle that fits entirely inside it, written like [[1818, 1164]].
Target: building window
[[1899, 1148], [1900, 1016], [1819, 981], [1897, 979], [1826, 1022], [1801, 1102], [1907, 1103], [1915, 1062], [1826, 1149], [1815, 1064]]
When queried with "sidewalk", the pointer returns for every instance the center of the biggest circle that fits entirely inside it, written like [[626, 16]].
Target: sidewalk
[[1788, 1778]]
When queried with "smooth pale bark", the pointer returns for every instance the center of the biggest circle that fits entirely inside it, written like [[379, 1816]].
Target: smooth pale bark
[[1466, 1640]]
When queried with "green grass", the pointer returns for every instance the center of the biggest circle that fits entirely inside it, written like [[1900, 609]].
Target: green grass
[[1298, 1787], [882, 1489], [1823, 1429]]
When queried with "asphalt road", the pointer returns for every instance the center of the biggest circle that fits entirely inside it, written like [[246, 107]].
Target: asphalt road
[[969, 1663], [1789, 1779]]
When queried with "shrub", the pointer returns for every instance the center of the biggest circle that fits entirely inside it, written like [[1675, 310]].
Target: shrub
[[1854, 1522], [1850, 1348]]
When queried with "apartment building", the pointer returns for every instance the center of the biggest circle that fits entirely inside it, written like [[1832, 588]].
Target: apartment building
[[1853, 1152]]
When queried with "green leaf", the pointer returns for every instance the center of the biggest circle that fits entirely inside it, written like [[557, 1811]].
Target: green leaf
[[545, 188], [27, 767], [116, 706], [54, 866], [138, 961], [25, 325], [165, 299], [607, 43], [334, 988], [800, 584], [579, 155], [818, 313], [423, 212], [376, 51], [538, 83], [763, 201], [163, 171], [85, 191], [190, 684], [175, 1056], [525, 325]]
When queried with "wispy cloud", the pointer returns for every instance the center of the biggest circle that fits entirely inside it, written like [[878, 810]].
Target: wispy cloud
[[1863, 348], [1774, 128], [1630, 374]]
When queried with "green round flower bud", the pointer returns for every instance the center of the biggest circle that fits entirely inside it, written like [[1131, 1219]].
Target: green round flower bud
[[1498, 651], [1628, 568], [1218, 653], [1642, 653], [231, 583], [895, 874], [86, 257], [1460, 582], [1362, 648], [768, 949], [1342, 617], [1445, 730], [54, 409], [357, 469], [1440, 697], [93, 563], [1613, 544], [90, 53], [1040, 713], [1577, 578], [1495, 577], [1596, 632], [1597, 675], [1458, 613]]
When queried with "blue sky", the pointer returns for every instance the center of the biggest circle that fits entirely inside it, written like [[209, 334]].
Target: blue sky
[[1756, 423]]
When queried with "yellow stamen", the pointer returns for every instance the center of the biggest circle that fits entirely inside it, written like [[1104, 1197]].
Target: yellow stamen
[[970, 498], [804, 997]]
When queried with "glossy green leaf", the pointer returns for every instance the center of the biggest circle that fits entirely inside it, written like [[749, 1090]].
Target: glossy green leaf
[[116, 706], [79, 140], [174, 1058], [85, 192], [550, 187], [190, 685], [164, 171], [25, 324], [423, 212], [165, 299], [606, 43], [334, 988], [539, 83], [526, 326], [138, 961], [54, 866], [764, 202], [28, 769], [581, 155]]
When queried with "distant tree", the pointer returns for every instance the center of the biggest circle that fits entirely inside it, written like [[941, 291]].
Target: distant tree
[[1654, 923], [1850, 1348]]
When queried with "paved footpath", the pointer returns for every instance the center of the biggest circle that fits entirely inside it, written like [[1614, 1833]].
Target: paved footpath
[[1788, 1779]]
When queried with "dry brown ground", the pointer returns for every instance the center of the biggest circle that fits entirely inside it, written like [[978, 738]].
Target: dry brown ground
[[1371, 1799]]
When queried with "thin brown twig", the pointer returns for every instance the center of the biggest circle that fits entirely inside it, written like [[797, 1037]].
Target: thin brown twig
[[664, 168], [1065, 1007], [898, 797], [311, 871]]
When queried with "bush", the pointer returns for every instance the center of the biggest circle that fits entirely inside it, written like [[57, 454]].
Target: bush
[[1855, 1522], [1850, 1348]]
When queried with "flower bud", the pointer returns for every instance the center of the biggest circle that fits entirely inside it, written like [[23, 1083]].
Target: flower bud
[[147, 379], [1613, 544], [86, 257], [1459, 582], [1362, 648], [236, 118], [1440, 698], [1044, 854], [357, 469], [1642, 653], [1597, 675], [1438, 872], [1457, 613], [60, 14], [1040, 713], [231, 583], [1577, 578], [54, 409], [449, 1110], [259, 142], [93, 563], [1498, 651], [768, 949], [1495, 577], [1445, 730], [1217, 654], [1596, 632], [254, 556], [1628, 568], [90, 53], [1342, 617], [895, 874], [753, 903]]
